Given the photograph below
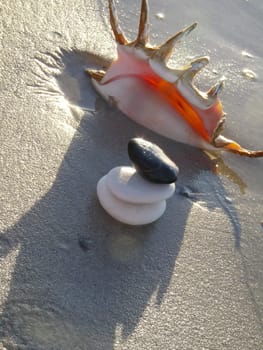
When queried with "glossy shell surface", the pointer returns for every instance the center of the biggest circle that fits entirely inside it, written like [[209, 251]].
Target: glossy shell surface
[[143, 86]]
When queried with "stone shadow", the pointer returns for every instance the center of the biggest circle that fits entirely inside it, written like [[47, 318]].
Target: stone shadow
[[81, 279]]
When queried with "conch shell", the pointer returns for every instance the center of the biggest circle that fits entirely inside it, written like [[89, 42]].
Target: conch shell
[[142, 85]]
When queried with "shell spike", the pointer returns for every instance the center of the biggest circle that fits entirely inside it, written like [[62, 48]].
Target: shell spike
[[198, 64], [143, 32], [225, 144], [114, 21], [165, 50], [96, 74], [195, 66], [217, 88]]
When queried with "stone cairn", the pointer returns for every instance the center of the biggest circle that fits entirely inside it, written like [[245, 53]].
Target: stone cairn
[[137, 195]]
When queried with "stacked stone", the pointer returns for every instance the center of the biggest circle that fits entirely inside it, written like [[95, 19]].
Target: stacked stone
[[137, 195]]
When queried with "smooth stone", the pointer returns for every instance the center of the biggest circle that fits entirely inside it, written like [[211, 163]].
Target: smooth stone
[[151, 162], [128, 213], [126, 184]]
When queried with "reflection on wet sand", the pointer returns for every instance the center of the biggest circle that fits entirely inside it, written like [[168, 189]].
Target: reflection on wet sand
[[221, 168]]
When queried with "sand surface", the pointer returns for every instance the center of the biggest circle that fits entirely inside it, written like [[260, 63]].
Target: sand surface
[[70, 276]]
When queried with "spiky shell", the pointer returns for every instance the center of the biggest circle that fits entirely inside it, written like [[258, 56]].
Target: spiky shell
[[140, 83]]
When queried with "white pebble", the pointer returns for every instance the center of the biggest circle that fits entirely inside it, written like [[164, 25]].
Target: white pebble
[[128, 213], [127, 185], [246, 54], [249, 74], [159, 15]]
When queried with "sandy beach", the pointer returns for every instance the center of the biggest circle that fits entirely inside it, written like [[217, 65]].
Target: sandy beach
[[71, 277]]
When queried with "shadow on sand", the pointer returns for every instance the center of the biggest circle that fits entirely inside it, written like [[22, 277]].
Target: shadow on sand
[[82, 279]]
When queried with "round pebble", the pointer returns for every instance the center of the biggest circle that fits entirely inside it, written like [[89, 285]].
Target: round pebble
[[160, 15], [249, 74], [126, 184], [151, 162], [246, 54], [128, 213]]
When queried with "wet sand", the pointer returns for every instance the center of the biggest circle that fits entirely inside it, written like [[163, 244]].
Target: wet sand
[[70, 276]]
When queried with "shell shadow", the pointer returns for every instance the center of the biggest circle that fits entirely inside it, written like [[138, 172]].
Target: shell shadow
[[80, 276]]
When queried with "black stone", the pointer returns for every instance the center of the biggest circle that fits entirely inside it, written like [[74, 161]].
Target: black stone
[[151, 162]]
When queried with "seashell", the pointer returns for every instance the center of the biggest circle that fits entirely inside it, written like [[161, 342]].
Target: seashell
[[151, 162], [141, 84]]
